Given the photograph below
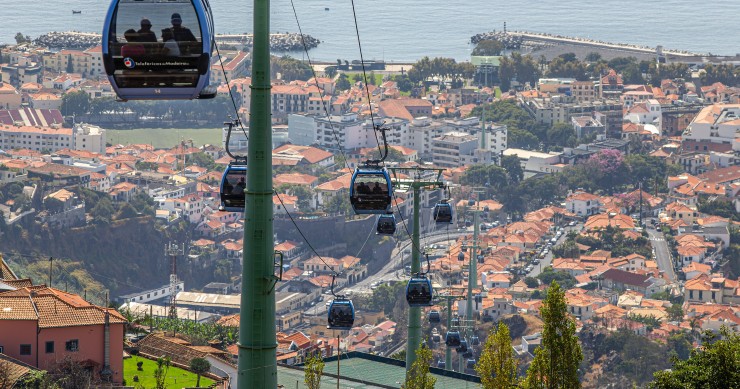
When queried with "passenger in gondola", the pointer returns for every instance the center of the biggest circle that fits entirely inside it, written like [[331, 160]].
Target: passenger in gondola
[[239, 187], [182, 35], [363, 188], [171, 48], [132, 47], [145, 32], [377, 189]]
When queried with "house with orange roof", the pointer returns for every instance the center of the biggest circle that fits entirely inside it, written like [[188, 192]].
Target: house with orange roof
[[296, 155], [712, 289], [611, 219], [582, 305], [40, 326], [583, 204], [336, 187]]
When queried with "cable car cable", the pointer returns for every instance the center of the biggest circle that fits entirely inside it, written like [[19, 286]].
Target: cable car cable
[[321, 91]]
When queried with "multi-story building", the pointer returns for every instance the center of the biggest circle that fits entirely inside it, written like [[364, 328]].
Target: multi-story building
[[561, 109], [450, 149], [235, 67], [41, 326], [715, 128], [584, 91], [22, 69], [9, 96], [81, 137]]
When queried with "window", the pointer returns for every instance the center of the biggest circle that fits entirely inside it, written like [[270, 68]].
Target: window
[[25, 349], [72, 345], [2, 350], [49, 347]]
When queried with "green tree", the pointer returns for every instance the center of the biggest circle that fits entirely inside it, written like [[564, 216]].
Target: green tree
[[343, 83], [531, 282], [21, 39], [488, 47], [675, 312], [560, 348], [312, 371], [418, 376], [160, 374], [199, 366], [291, 69], [513, 168], [561, 134], [497, 366], [537, 373], [715, 365], [330, 71], [593, 57], [70, 64], [103, 211], [75, 103]]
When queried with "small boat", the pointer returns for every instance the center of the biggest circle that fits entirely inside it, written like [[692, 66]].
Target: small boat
[[326, 9], [76, 12]]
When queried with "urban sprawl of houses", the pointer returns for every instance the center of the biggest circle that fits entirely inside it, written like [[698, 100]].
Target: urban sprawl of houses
[[696, 128]]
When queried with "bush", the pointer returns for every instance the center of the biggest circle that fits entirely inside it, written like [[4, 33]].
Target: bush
[[139, 365], [136, 378]]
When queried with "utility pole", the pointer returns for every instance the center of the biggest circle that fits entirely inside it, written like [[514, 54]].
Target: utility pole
[[51, 261], [416, 184], [257, 341]]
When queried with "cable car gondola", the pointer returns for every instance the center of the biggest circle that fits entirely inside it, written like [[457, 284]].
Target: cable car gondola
[[474, 340], [341, 314], [443, 212], [436, 338], [455, 321], [452, 339], [371, 190], [461, 257], [434, 316], [463, 347], [234, 187], [443, 209], [441, 364], [386, 224], [419, 289], [471, 363], [155, 49], [234, 180], [467, 354]]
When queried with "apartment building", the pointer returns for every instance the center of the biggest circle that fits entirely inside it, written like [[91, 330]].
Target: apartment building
[[450, 149], [715, 128]]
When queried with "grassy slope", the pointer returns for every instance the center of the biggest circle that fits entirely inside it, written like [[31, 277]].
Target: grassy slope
[[176, 377]]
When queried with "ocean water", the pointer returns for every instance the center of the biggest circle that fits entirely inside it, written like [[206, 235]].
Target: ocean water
[[406, 30]]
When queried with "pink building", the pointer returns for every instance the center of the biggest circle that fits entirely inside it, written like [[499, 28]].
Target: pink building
[[41, 326]]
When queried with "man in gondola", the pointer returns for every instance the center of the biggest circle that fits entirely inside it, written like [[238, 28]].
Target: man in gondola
[[145, 32], [181, 34], [377, 189]]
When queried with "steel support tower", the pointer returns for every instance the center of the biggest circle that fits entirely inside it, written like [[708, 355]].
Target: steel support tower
[[421, 179], [257, 343]]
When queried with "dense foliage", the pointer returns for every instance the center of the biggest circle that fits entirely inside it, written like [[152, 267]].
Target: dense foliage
[[716, 365]]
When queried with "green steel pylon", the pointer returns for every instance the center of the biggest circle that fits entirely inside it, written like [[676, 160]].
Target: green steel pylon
[[421, 179], [257, 342]]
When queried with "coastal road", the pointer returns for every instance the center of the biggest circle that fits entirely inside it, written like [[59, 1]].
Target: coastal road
[[662, 252]]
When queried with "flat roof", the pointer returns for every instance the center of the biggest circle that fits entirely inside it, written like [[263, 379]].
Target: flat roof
[[380, 372]]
